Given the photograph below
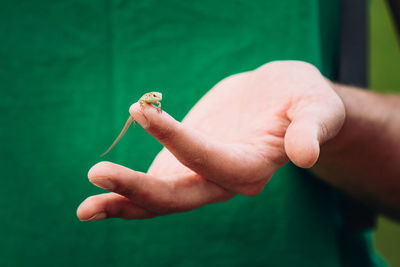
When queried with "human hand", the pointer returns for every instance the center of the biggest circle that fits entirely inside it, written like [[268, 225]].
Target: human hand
[[232, 142]]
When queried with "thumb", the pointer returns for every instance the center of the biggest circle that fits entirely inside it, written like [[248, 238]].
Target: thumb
[[310, 129]]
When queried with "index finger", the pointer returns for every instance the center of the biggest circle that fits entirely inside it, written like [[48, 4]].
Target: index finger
[[222, 163]]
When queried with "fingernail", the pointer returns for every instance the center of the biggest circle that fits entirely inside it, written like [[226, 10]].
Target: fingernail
[[98, 216], [104, 183], [136, 112]]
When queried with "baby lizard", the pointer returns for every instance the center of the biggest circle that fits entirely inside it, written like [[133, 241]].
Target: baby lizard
[[150, 98]]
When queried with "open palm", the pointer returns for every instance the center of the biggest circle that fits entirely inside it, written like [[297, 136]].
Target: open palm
[[232, 141]]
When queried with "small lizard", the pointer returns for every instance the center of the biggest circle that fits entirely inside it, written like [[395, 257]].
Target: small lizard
[[150, 98]]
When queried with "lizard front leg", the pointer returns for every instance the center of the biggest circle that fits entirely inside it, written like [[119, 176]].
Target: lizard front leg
[[158, 106], [141, 102]]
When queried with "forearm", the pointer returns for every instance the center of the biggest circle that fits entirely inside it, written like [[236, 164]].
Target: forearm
[[363, 160]]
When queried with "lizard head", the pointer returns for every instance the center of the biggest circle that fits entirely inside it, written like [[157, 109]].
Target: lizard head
[[152, 96]]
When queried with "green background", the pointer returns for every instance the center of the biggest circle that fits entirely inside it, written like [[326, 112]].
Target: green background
[[70, 70], [385, 77]]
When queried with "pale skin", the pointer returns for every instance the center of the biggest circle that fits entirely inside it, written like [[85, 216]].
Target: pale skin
[[247, 127], [149, 98]]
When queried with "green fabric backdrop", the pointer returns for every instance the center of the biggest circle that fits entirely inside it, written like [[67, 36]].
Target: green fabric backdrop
[[69, 71]]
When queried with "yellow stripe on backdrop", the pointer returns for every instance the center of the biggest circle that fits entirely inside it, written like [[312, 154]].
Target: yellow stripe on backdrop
[[385, 77]]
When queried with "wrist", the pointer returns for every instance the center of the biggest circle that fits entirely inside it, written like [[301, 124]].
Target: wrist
[[361, 125]]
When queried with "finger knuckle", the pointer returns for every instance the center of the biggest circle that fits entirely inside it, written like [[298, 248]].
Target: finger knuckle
[[164, 134]]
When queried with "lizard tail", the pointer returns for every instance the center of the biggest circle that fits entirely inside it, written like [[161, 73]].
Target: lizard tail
[[126, 126]]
